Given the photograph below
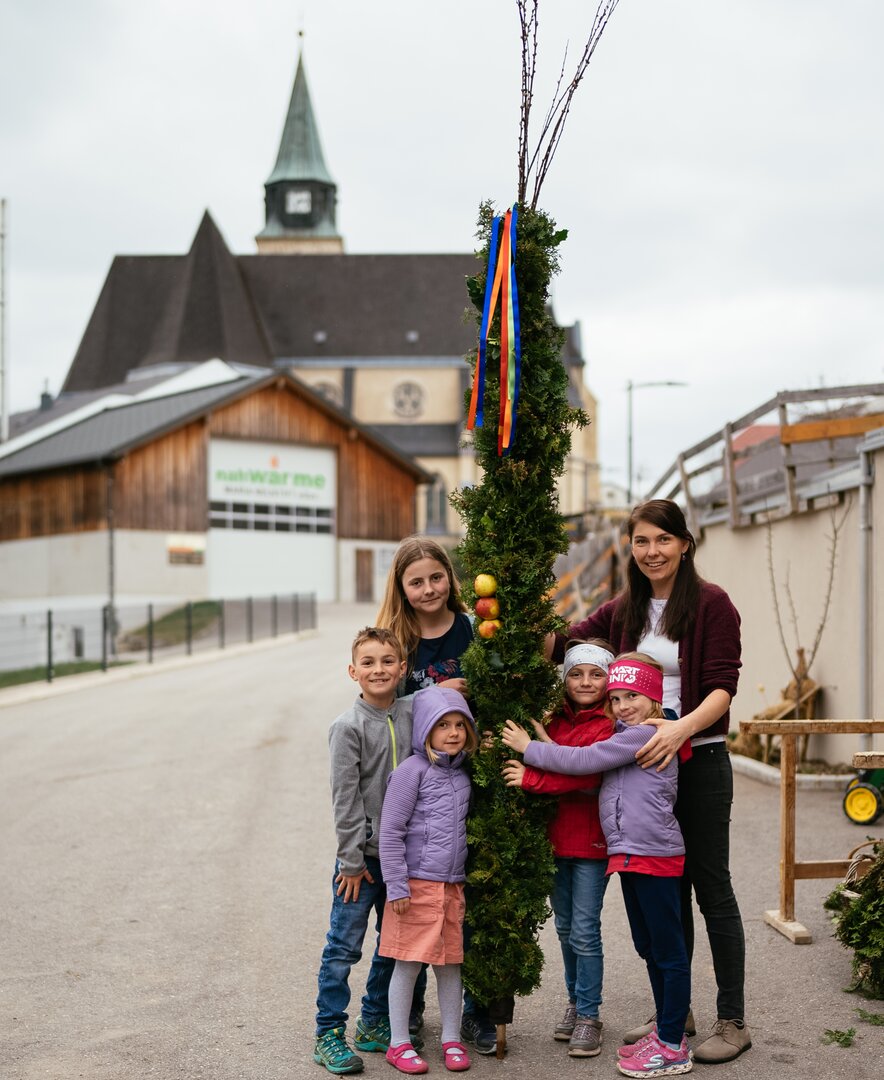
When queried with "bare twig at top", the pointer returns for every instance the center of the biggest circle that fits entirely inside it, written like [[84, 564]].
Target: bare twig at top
[[539, 161], [528, 34]]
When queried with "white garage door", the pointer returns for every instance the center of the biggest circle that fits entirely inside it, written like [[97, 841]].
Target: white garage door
[[271, 519]]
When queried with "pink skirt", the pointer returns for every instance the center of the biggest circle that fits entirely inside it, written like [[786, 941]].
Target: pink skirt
[[431, 930]]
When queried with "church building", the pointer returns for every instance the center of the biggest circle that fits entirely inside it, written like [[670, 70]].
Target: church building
[[381, 336], [329, 386]]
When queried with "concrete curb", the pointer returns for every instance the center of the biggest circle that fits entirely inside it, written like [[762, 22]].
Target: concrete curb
[[67, 684], [767, 774]]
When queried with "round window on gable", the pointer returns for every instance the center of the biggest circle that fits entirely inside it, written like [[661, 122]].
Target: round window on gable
[[330, 391], [408, 400]]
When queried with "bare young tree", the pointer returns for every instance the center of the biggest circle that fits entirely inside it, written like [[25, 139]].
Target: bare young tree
[[837, 524], [538, 161], [802, 686]]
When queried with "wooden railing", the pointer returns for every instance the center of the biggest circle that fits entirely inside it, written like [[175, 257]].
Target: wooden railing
[[714, 463], [789, 731]]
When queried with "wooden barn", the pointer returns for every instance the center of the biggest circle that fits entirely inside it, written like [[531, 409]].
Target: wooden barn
[[185, 487]]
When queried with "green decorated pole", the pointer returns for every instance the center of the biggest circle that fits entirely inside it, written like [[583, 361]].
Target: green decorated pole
[[514, 532]]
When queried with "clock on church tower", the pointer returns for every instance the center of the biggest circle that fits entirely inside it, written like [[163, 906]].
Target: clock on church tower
[[300, 194], [298, 201]]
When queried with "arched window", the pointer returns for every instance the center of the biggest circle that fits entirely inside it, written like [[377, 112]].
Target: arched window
[[437, 505]]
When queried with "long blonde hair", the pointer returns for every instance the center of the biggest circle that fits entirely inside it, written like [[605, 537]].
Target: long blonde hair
[[396, 613]]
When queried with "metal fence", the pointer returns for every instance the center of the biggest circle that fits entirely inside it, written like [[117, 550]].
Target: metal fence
[[43, 644]]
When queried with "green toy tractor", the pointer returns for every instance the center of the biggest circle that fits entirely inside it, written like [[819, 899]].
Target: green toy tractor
[[864, 797]]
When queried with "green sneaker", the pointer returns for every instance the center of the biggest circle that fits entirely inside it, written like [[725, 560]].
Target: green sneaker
[[375, 1038], [332, 1051]]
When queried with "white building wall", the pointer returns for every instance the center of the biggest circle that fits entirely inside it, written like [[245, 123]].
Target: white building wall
[[265, 564], [271, 517], [74, 564], [143, 568], [737, 560]]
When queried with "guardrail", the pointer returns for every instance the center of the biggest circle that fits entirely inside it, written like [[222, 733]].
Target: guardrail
[[39, 645], [737, 471]]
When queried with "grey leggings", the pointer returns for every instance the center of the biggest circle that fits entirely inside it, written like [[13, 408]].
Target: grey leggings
[[449, 988]]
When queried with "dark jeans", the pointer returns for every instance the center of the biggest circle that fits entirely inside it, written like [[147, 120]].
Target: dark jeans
[[703, 809], [348, 926], [653, 907]]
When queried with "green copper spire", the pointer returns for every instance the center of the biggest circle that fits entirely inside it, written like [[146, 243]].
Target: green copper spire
[[300, 151], [300, 197]]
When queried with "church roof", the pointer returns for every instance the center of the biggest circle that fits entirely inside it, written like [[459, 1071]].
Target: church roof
[[362, 306], [300, 151], [161, 309], [157, 310]]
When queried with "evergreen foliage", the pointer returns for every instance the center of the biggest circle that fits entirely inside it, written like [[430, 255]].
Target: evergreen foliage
[[859, 925], [514, 531]]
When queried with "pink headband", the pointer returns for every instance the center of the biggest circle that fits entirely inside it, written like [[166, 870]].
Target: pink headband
[[637, 676]]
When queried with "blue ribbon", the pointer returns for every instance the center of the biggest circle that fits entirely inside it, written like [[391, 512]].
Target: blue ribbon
[[486, 318]]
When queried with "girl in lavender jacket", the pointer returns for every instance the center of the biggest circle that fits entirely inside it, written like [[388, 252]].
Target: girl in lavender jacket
[[644, 845], [423, 849]]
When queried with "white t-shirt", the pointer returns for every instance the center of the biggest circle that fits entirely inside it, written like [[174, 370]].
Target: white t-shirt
[[665, 652]]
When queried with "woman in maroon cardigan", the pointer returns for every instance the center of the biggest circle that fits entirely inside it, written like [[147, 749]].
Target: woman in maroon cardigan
[[690, 627]]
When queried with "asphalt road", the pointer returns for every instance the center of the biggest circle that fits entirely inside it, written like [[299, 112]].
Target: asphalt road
[[165, 859]]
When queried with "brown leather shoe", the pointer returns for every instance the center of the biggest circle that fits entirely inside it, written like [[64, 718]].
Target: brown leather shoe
[[728, 1040], [636, 1033]]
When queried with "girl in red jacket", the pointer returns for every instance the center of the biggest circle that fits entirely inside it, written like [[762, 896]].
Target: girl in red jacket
[[578, 842]]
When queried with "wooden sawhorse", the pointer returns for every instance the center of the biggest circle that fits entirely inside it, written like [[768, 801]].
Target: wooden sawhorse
[[868, 759], [790, 870]]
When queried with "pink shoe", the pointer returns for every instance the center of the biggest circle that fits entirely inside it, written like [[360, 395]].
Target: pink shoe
[[456, 1057], [405, 1058], [630, 1048], [656, 1059]]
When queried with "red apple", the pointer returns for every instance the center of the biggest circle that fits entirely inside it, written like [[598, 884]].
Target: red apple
[[487, 608], [488, 628], [485, 585]]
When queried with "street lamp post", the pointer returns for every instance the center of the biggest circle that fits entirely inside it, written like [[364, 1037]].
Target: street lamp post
[[630, 386]]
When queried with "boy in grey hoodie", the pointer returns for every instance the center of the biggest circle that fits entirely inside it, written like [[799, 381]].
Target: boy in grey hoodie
[[366, 743]]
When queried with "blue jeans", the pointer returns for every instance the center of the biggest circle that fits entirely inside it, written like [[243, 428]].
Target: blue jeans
[[343, 948], [703, 809], [578, 891], [653, 907]]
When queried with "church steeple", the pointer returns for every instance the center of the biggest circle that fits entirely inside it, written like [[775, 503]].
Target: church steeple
[[300, 195]]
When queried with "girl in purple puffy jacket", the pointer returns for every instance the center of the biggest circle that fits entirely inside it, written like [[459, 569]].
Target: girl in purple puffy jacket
[[645, 847], [423, 848]]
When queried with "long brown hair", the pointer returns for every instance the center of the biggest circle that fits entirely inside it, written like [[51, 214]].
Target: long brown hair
[[681, 609], [396, 612]]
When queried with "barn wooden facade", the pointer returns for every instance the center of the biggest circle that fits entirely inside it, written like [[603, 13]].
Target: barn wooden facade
[[143, 468]]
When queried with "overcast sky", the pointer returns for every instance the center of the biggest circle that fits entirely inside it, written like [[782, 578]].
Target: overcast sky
[[721, 174]]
